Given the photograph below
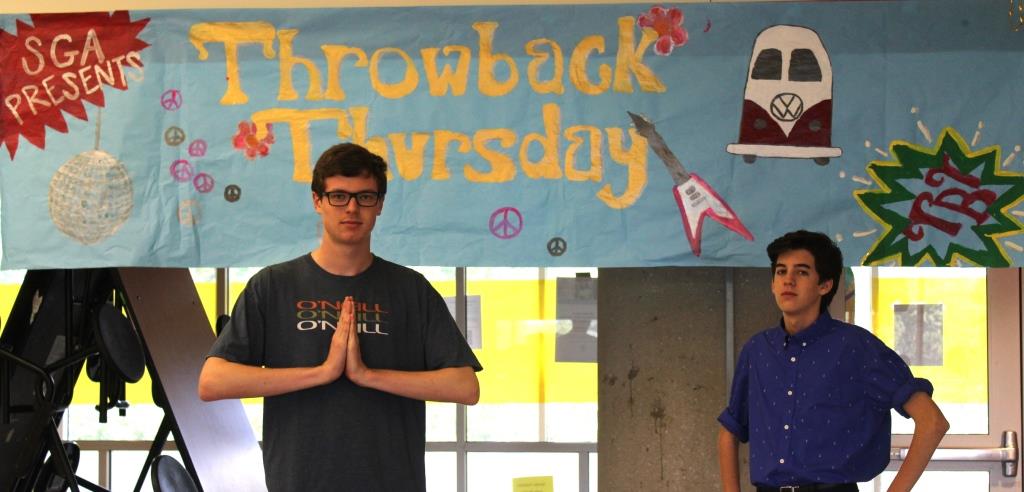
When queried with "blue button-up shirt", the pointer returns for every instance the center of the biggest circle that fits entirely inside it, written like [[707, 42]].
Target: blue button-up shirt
[[815, 406]]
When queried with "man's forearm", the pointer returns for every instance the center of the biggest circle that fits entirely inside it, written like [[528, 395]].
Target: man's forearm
[[929, 427], [221, 379], [922, 446], [451, 384], [728, 460]]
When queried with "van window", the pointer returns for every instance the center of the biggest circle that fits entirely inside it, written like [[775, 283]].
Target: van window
[[768, 65], [803, 66]]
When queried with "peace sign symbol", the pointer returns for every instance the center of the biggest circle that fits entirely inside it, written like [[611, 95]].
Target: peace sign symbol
[[506, 223], [557, 246], [181, 170], [232, 193], [203, 182], [174, 136], [197, 148], [171, 99]]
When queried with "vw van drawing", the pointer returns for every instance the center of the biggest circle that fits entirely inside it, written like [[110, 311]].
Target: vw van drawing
[[787, 103]]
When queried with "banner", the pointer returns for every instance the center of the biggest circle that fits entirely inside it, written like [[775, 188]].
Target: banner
[[557, 135]]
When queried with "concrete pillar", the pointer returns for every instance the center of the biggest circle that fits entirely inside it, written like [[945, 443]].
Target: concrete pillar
[[662, 367]]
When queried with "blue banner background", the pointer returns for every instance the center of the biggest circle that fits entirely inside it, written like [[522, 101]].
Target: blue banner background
[[958, 62]]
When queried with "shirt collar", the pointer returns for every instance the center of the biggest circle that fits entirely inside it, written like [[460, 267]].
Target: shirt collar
[[820, 327]]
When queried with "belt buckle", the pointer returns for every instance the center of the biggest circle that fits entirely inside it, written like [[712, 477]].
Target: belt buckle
[[789, 488]]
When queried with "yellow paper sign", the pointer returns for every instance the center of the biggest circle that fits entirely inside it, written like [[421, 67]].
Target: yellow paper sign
[[533, 484]]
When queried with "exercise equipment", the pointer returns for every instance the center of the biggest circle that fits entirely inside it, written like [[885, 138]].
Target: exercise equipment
[[121, 321]]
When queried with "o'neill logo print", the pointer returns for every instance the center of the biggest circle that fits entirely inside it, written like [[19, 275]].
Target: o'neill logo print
[[323, 315]]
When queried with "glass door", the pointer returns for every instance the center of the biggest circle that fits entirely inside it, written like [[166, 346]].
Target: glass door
[[961, 329]]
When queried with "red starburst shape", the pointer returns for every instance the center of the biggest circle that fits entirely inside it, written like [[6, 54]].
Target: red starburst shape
[[59, 62], [668, 23]]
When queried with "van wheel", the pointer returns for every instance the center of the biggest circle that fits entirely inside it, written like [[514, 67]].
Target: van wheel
[[749, 159], [821, 161]]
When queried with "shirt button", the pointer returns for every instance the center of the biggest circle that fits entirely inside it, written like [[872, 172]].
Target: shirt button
[[790, 392], [792, 359], [804, 344], [786, 427], [782, 460]]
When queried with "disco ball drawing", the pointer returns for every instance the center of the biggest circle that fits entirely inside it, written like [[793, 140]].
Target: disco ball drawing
[[90, 196]]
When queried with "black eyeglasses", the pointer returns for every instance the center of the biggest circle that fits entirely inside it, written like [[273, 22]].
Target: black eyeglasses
[[363, 198]]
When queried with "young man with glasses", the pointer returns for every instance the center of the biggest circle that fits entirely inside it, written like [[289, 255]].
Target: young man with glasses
[[812, 395], [344, 346]]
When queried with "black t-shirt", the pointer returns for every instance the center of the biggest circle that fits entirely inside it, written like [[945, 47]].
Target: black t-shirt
[[340, 436]]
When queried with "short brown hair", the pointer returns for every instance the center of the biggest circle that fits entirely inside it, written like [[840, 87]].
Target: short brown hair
[[349, 160]]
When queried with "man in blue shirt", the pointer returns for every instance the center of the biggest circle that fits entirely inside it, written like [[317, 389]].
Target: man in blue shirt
[[812, 395]]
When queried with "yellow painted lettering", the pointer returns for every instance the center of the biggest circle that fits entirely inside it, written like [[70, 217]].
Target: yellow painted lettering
[[442, 138], [409, 158], [287, 60], [401, 88], [375, 144], [635, 160], [577, 136], [630, 60], [439, 83], [547, 166], [378, 145], [334, 54], [232, 34], [502, 167], [578, 67], [298, 124], [554, 85], [487, 83]]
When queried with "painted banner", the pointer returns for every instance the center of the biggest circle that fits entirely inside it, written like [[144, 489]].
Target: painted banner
[[559, 135]]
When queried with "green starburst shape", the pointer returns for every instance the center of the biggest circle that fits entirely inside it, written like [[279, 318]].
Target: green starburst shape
[[914, 162]]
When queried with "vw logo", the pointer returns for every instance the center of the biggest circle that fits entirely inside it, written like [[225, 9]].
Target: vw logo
[[787, 107]]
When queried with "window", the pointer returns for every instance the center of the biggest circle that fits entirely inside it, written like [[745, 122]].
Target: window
[[533, 329], [936, 319], [538, 410], [768, 65], [803, 66]]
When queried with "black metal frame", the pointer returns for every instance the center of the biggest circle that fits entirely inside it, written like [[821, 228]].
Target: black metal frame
[[84, 292]]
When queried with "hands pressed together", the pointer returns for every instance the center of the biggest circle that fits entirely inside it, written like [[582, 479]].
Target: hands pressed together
[[344, 357], [448, 384]]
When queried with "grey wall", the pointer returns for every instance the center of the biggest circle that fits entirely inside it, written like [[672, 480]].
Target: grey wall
[[662, 366]]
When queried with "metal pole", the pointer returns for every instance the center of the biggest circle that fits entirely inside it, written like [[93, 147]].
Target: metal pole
[[730, 331]]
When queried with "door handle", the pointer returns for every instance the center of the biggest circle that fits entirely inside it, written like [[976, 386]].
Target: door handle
[[1008, 454]]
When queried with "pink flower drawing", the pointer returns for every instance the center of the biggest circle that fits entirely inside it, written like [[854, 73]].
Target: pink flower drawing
[[245, 140], [668, 23]]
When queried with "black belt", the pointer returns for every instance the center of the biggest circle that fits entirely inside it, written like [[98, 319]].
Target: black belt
[[832, 487]]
